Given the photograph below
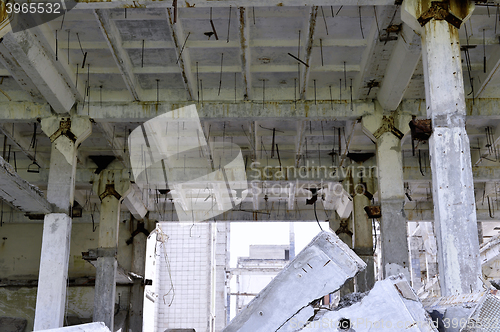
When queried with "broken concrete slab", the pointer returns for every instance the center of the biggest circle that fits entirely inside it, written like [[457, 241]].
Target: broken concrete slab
[[390, 306], [91, 327], [321, 268]]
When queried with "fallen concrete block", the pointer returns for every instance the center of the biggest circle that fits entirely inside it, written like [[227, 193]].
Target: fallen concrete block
[[321, 268], [390, 306], [91, 327]]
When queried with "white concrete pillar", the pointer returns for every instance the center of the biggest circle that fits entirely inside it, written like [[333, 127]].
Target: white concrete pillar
[[394, 242], [363, 243], [54, 257], [137, 290], [452, 183], [416, 273], [111, 186]]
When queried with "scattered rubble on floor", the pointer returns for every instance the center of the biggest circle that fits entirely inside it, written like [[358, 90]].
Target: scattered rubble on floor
[[390, 306]]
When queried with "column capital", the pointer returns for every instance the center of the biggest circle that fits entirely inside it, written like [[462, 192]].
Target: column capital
[[112, 183], [67, 133], [417, 13], [378, 123]]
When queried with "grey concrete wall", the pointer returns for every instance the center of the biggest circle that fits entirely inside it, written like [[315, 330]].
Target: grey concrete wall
[[20, 260]]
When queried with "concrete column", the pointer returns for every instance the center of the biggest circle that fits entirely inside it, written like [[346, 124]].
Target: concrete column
[[344, 230], [111, 186], [393, 232], [452, 183], [363, 243], [137, 290], [54, 257], [416, 273]]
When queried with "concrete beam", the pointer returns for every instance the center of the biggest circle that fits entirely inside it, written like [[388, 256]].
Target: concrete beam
[[400, 69], [478, 156], [183, 58], [113, 38], [374, 52], [492, 66], [163, 44], [19, 193], [320, 269], [22, 143], [135, 205], [227, 3], [246, 59], [143, 111], [139, 112], [15, 70], [426, 214], [39, 66], [22, 111], [490, 251], [304, 77]]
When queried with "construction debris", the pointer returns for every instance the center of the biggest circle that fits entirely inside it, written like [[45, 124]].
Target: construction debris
[[390, 306], [321, 268]]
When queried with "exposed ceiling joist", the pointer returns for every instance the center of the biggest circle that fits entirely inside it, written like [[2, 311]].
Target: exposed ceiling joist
[[306, 69], [244, 33], [374, 51], [492, 67], [226, 3], [183, 59], [139, 112], [44, 77], [112, 36], [402, 65]]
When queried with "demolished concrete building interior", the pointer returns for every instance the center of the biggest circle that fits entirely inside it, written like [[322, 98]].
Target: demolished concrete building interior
[[134, 133]]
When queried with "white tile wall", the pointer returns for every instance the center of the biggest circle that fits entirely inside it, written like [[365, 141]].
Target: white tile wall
[[184, 272]]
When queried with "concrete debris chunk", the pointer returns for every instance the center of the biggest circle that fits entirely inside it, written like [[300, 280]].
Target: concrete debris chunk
[[390, 306], [321, 268]]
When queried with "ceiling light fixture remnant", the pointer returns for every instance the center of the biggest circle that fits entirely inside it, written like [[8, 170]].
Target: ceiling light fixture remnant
[[208, 34]]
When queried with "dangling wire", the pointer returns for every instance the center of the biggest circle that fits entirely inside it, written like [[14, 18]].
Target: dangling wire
[[316, 215]]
